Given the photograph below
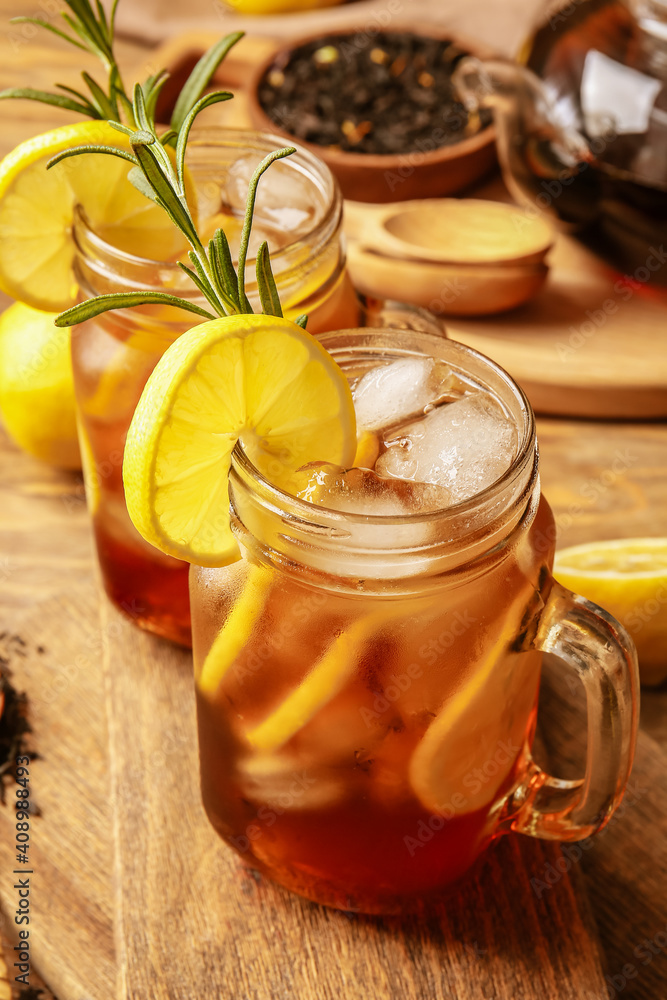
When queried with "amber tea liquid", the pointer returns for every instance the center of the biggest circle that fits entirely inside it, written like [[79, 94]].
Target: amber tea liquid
[[323, 682]]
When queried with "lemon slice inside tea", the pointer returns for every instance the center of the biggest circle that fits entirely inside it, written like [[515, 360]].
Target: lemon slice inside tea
[[256, 379], [471, 727], [628, 578], [37, 213]]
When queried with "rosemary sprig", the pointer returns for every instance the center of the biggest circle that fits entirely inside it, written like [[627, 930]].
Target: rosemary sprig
[[154, 174], [92, 31]]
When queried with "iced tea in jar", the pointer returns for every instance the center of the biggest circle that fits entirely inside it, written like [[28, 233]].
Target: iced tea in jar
[[368, 672], [299, 211]]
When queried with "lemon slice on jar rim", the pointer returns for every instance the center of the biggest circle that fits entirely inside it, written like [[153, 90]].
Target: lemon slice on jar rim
[[254, 379]]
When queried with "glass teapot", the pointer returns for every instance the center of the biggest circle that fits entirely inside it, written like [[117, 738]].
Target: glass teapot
[[582, 125]]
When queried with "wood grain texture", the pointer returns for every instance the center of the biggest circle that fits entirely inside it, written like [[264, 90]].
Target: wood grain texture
[[584, 346], [263, 942], [49, 635], [9, 990], [250, 939], [626, 864]]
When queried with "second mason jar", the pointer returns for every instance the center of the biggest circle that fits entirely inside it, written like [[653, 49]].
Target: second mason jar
[[299, 212]]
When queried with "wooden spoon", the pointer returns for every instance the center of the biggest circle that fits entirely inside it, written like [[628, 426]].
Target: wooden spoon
[[450, 230], [452, 289]]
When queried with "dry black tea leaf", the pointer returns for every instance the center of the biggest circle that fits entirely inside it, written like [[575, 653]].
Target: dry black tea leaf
[[386, 92]]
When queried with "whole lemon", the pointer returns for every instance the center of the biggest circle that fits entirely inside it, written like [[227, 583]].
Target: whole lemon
[[37, 403], [277, 6]]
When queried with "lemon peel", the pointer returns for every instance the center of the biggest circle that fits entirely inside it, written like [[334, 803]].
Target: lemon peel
[[628, 578], [37, 208], [254, 379]]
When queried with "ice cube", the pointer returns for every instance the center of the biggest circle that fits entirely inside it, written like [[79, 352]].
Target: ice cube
[[283, 200], [289, 782], [462, 446], [362, 491], [400, 391]]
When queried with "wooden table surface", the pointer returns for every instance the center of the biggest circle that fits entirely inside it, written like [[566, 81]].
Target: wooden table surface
[[48, 594]]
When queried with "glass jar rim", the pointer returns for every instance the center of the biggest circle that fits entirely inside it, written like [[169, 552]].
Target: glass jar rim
[[302, 160], [522, 469]]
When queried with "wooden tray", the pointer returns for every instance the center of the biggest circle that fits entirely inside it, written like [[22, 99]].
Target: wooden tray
[[580, 348]]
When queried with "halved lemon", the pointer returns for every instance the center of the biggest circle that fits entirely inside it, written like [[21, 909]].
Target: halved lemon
[[37, 213], [256, 379], [628, 578]]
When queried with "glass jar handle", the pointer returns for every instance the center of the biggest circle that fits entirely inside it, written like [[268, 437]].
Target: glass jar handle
[[601, 652]]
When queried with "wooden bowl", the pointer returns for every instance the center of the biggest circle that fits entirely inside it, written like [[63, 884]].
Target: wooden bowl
[[392, 177]]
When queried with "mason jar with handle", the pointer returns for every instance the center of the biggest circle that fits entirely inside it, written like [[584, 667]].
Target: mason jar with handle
[[367, 683]]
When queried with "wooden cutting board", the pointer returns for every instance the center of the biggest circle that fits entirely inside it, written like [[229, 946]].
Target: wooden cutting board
[[248, 938], [585, 346]]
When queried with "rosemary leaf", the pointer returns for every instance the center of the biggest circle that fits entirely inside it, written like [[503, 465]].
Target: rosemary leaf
[[127, 107], [278, 154], [136, 177], [78, 150], [125, 129], [200, 77], [124, 300], [166, 195], [167, 138], [84, 12], [147, 129], [226, 293], [57, 100], [223, 267], [88, 42], [184, 131], [268, 293], [151, 89], [200, 279], [102, 18], [140, 109], [99, 97], [115, 86], [49, 27], [79, 97], [112, 19]]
